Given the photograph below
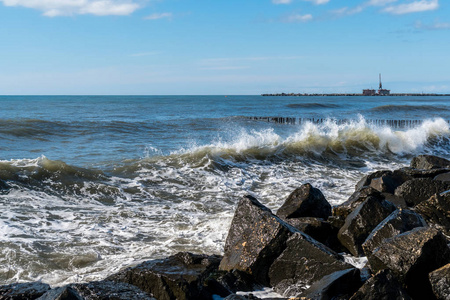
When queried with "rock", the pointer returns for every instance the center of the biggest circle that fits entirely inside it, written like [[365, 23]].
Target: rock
[[338, 285], [382, 286], [445, 177], [411, 256], [399, 202], [97, 290], [385, 184], [428, 162], [303, 262], [366, 180], [23, 291], [360, 223], [181, 277], [305, 201], [436, 210], [440, 282], [358, 197], [396, 223], [320, 230], [234, 281], [61, 293], [417, 190], [416, 173], [255, 239]]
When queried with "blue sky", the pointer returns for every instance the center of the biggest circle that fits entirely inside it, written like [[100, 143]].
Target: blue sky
[[156, 47]]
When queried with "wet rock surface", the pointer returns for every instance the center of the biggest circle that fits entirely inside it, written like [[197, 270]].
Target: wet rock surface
[[290, 254], [400, 221], [411, 256], [360, 223], [23, 291], [181, 276], [382, 286], [255, 239], [305, 201], [440, 282], [303, 262]]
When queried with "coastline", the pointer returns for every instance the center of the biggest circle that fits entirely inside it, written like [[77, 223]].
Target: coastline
[[353, 95]]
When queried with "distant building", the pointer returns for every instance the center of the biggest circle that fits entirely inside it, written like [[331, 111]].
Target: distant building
[[369, 92], [380, 92]]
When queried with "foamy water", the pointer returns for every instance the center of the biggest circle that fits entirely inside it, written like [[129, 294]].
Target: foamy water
[[82, 199]]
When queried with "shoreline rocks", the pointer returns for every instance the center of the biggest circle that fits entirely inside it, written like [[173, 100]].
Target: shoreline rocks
[[399, 219]]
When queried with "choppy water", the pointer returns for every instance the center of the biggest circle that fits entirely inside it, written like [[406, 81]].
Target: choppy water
[[93, 184]]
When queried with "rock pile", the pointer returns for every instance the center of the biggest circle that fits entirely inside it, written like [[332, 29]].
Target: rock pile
[[399, 220]]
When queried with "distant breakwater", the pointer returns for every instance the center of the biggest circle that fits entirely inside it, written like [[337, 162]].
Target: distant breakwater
[[379, 122], [353, 94]]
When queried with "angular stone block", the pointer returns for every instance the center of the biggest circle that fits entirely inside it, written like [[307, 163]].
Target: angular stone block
[[440, 282]]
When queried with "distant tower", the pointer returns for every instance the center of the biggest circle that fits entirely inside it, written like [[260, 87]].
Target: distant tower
[[381, 85]]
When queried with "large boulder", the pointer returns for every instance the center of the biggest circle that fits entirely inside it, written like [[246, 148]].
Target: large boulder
[[360, 223], [255, 239], [338, 285], [428, 162], [400, 221], [305, 201], [382, 286], [358, 197], [366, 180], [436, 210], [23, 291], [320, 230], [97, 290], [417, 190], [181, 276], [440, 282], [443, 177], [411, 256], [303, 262]]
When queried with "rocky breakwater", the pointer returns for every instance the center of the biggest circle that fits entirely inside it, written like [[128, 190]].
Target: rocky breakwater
[[399, 220]]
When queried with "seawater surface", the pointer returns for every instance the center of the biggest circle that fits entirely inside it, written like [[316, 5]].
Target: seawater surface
[[92, 184]]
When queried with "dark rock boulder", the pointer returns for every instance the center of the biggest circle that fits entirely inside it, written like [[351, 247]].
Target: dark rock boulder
[[97, 290], [360, 223], [411, 256], [396, 223], [338, 285], [417, 190], [428, 162], [303, 262], [241, 297], [305, 201], [234, 281], [366, 180], [436, 210], [23, 291], [382, 286], [440, 282], [443, 177], [386, 183], [411, 173], [358, 197], [181, 277], [255, 239], [320, 230]]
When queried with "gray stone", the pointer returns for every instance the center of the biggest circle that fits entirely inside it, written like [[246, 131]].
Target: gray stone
[[23, 291], [417, 190], [440, 282], [428, 162], [411, 256], [360, 223], [303, 262], [305, 201], [436, 210]]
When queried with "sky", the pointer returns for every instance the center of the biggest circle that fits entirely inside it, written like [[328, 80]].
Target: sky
[[222, 47]]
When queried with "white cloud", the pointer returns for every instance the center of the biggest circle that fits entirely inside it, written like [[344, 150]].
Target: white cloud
[[413, 7], [296, 18], [281, 1], [346, 11], [53, 8], [379, 2], [157, 16]]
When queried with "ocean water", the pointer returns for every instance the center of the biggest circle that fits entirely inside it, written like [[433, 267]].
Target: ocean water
[[92, 184]]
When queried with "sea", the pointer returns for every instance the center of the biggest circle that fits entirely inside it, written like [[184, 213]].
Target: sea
[[90, 185]]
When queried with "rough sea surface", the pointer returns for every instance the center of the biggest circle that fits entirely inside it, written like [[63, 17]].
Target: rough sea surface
[[92, 184]]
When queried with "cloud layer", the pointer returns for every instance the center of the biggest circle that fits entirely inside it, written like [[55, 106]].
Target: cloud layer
[[53, 8]]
